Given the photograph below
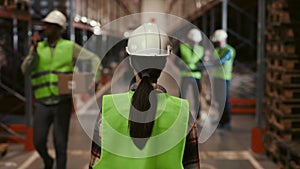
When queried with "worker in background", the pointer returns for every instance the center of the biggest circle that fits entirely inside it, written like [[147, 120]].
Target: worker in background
[[45, 61], [192, 54], [226, 54], [124, 133]]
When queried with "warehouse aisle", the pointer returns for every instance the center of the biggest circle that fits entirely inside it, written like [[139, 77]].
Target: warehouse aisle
[[78, 152], [265, 35], [225, 149]]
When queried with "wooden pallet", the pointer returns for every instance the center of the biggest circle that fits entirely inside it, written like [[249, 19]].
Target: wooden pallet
[[284, 155], [271, 154], [277, 113], [278, 16], [290, 153], [285, 65], [270, 147], [289, 112], [282, 93], [292, 109], [283, 33], [282, 122], [286, 135], [279, 154], [280, 47], [285, 108], [284, 79], [294, 161], [273, 55], [277, 5], [283, 30]]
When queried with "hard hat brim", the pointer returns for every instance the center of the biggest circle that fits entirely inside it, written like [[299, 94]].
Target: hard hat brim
[[50, 22], [150, 54]]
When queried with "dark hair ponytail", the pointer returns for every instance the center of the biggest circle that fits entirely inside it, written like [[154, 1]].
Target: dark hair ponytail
[[142, 111], [144, 100]]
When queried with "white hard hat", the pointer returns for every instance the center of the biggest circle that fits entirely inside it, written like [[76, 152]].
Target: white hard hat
[[148, 40], [56, 17], [219, 35], [195, 35]]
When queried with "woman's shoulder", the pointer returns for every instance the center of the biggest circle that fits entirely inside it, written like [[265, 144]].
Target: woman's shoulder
[[117, 94], [175, 98]]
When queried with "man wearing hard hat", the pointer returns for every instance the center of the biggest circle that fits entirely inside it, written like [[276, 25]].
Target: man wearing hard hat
[[45, 62], [192, 54], [226, 54]]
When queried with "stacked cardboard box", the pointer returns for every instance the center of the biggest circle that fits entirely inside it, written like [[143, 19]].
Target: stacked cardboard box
[[74, 83]]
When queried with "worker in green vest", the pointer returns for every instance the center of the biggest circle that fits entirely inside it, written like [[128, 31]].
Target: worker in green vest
[[191, 53], [45, 61], [145, 128], [226, 54]]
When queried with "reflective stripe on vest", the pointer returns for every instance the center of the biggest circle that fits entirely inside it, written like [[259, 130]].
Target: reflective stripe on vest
[[164, 149], [225, 71], [44, 77], [191, 57]]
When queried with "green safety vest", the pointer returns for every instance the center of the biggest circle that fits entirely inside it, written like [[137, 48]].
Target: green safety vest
[[191, 57], [44, 78], [163, 150], [225, 71]]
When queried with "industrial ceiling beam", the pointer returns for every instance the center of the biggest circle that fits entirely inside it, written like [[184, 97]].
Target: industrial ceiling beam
[[203, 9], [125, 5]]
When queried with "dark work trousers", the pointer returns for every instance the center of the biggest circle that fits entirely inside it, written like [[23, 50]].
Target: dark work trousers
[[226, 116], [221, 96], [187, 84], [58, 115]]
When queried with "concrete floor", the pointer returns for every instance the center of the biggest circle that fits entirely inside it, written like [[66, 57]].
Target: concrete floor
[[225, 149], [232, 149]]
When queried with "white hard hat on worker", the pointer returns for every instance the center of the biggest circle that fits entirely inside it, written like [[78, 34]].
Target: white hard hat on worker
[[219, 36], [195, 35], [148, 40], [56, 17]]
